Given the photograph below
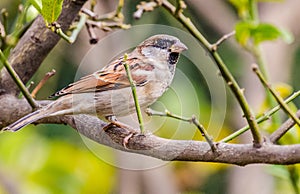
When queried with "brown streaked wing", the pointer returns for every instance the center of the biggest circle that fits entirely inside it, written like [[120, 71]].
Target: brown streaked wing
[[85, 84], [110, 77]]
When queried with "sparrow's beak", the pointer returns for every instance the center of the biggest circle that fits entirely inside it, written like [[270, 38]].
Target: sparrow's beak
[[178, 47]]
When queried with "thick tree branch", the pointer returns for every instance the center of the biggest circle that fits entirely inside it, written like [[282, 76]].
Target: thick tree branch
[[151, 145], [187, 150], [35, 45]]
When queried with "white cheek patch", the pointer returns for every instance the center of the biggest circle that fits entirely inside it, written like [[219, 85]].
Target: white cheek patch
[[153, 52], [147, 51], [157, 57]]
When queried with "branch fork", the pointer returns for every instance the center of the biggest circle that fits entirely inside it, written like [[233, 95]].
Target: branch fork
[[192, 120]]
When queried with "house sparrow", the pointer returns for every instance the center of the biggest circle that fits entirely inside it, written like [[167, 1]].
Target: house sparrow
[[107, 92]]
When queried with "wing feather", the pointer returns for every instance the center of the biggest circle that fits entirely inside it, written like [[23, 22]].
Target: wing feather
[[113, 76]]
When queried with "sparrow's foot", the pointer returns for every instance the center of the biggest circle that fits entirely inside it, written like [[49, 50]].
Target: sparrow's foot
[[126, 140], [114, 122], [132, 132]]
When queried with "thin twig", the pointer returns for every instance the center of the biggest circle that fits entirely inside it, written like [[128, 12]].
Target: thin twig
[[4, 15], [107, 26], [134, 94], [42, 82], [253, 10], [215, 46], [55, 27], [180, 6], [115, 15], [257, 52], [226, 74], [18, 81], [193, 120], [2, 31], [144, 7], [78, 28], [203, 133], [285, 127], [93, 37], [151, 112], [261, 119], [277, 97], [95, 17], [106, 22], [120, 6], [93, 4], [30, 85], [90, 13]]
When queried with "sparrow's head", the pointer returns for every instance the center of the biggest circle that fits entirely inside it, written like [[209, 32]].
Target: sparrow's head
[[162, 47]]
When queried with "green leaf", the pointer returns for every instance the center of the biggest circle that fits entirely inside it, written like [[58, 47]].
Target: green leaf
[[242, 7], [264, 32], [257, 33], [243, 32], [51, 9], [37, 4]]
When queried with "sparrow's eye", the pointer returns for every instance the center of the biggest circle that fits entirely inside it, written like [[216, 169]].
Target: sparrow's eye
[[173, 58]]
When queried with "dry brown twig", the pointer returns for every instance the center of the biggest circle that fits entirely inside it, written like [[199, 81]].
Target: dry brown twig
[[144, 7], [105, 22], [47, 76]]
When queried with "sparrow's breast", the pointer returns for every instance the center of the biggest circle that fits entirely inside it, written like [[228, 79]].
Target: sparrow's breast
[[120, 102]]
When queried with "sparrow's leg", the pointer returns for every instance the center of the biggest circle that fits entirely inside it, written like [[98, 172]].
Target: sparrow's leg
[[113, 121]]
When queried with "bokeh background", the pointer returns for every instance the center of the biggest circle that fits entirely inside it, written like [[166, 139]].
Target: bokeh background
[[56, 159]]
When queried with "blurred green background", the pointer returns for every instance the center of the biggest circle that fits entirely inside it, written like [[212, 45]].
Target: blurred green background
[[55, 159]]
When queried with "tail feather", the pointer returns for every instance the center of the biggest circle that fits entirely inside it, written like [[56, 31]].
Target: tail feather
[[26, 120]]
